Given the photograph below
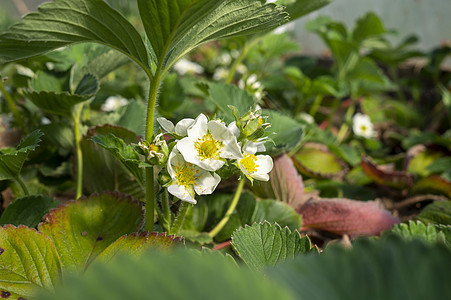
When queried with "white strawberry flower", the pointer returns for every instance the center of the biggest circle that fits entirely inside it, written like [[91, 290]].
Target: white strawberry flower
[[184, 66], [209, 144], [188, 179], [362, 126], [179, 129], [255, 166]]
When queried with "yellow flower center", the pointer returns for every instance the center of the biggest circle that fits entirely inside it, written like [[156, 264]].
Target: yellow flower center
[[185, 174], [249, 162], [363, 128], [208, 147], [154, 147]]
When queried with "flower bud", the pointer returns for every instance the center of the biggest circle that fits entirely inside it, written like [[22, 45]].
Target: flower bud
[[155, 152]]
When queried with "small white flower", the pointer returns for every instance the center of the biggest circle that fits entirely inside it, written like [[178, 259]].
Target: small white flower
[[362, 126], [179, 129], [241, 68], [113, 102], [225, 59], [45, 121], [24, 71], [188, 179], [185, 66], [306, 117], [220, 73], [209, 144], [255, 166]]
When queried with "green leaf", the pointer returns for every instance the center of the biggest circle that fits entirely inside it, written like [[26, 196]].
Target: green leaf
[[27, 211], [12, 160], [171, 95], [62, 102], [59, 134], [82, 229], [56, 103], [223, 95], [175, 27], [134, 117], [368, 26], [262, 245], [62, 23], [28, 262], [287, 133], [122, 152], [429, 233], [388, 268], [438, 212], [101, 65], [43, 81], [178, 274], [299, 8], [277, 212], [102, 171], [137, 244]]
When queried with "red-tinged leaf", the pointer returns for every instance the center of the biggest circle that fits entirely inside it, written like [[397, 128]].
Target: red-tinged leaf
[[434, 183], [396, 179], [136, 244], [82, 229], [315, 160], [285, 180], [28, 262], [344, 216], [285, 183]]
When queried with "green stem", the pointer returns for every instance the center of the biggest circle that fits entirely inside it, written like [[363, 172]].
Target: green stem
[[166, 211], [150, 188], [333, 110], [236, 63], [229, 212], [243, 54], [150, 200], [77, 133], [12, 106], [316, 105], [23, 186], [348, 120], [178, 222]]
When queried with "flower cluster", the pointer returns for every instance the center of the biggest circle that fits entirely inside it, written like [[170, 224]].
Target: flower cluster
[[202, 147]]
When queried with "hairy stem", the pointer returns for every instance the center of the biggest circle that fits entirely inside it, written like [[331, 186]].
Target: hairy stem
[[150, 200], [229, 212], [178, 222], [77, 134], [150, 188], [166, 211]]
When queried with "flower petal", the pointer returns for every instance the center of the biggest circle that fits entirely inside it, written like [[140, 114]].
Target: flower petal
[[234, 129], [261, 177], [182, 192], [181, 128], [167, 125], [199, 128], [265, 164], [219, 131], [207, 183]]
